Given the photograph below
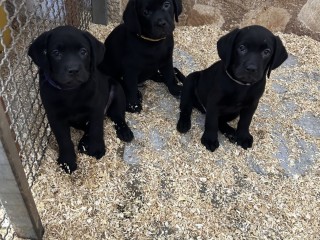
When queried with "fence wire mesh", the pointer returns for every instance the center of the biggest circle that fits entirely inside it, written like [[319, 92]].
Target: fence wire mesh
[[22, 22]]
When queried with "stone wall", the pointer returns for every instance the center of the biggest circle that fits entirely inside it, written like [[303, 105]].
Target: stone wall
[[296, 16]]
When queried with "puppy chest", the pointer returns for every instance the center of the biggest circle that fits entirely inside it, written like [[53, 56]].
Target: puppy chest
[[235, 102], [153, 53], [69, 110], [151, 61], [77, 114], [229, 109]]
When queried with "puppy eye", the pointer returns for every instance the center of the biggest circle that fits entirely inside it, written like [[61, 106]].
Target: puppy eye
[[166, 5], [83, 52], [242, 48], [146, 12], [55, 53], [267, 52]]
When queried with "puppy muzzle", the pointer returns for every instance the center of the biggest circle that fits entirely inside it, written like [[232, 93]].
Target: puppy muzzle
[[161, 29]]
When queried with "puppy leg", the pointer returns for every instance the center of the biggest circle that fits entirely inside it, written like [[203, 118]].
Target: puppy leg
[[186, 104], [116, 112], [67, 156], [157, 77], [243, 136], [92, 142], [210, 136], [170, 79], [178, 74], [133, 95]]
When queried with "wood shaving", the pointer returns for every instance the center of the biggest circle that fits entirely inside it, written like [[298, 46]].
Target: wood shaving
[[176, 189]]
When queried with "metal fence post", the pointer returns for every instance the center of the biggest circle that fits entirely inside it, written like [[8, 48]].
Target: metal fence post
[[99, 12], [15, 193]]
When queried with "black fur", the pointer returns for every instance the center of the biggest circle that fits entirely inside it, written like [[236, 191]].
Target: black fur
[[75, 93], [141, 48], [232, 86]]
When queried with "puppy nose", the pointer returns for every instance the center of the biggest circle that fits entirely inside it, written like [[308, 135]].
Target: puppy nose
[[162, 23], [251, 68], [73, 70]]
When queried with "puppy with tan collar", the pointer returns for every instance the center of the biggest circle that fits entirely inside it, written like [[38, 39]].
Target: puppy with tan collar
[[142, 46]]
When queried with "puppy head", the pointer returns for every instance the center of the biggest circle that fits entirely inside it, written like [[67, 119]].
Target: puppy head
[[250, 53], [152, 18], [68, 56]]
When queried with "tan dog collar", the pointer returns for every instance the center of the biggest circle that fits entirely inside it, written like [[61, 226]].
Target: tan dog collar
[[151, 39]]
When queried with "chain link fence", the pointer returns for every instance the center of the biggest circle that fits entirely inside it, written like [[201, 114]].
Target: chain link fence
[[21, 22]]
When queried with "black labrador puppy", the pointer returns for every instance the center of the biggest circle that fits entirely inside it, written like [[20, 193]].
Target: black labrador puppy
[[232, 86], [142, 46], [75, 93]]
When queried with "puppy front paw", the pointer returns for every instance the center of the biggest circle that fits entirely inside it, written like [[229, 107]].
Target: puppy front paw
[[124, 133], [244, 140], [95, 149], [83, 145], [68, 164], [209, 143], [134, 108], [184, 125]]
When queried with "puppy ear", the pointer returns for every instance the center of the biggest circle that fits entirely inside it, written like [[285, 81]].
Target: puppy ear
[[130, 17], [225, 46], [279, 56], [38, 50], [97, 49], [177, 4]]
